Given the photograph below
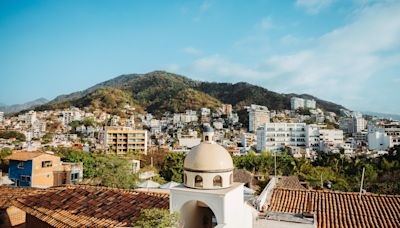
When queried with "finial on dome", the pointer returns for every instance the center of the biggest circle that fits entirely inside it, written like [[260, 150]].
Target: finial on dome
[[208, 134]]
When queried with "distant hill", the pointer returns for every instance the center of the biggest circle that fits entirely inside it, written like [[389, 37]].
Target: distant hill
[[160, 91], [382, 115], [19, 107]]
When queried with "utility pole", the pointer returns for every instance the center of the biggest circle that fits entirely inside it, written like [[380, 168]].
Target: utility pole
[[275, 165], [322, 183], [362, 183]]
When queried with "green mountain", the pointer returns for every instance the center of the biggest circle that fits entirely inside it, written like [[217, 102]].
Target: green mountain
[[160, 91]]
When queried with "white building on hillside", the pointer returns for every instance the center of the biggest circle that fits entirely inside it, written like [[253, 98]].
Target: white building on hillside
[[330, 139], [1, 117], [296, 103], [208, 196], [276, 136], [258, 115], [393, 129], [378, 139]]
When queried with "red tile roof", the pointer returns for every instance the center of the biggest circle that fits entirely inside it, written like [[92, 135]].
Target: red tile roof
[[290, 182], [339, 209], [8, 194], [88, 206]]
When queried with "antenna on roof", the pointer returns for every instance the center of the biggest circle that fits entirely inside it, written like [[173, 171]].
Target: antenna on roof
[[362, 183]]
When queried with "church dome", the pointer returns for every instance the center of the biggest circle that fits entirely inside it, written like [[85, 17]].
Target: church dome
[[208, 157]]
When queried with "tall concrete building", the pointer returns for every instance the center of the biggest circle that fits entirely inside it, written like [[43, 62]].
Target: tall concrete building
[[1, 117], [296, 103], [393, 130], [359, 124], [258, 116], [123, 140], [378, 139], [276, 136]]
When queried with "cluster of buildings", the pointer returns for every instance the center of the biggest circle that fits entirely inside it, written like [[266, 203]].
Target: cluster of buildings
[[209, 196], [303, 133]]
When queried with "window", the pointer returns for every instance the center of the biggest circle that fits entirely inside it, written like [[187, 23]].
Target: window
[[25, 178], [46, 164], [74, 177], [217, 181], [198, 181], [206, 138], [21, 165], [184, 178]]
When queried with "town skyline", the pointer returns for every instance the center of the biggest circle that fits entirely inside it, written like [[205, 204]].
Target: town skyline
[[315, 48]]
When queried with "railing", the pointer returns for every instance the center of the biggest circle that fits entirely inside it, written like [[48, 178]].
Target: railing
[[265, 194]]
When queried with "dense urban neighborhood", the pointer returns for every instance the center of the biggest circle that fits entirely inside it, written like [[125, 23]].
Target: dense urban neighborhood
[[81, 151]]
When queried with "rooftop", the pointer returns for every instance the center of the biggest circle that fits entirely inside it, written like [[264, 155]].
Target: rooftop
[[8, 194], [89, 206], [25, 156], [338, 209]]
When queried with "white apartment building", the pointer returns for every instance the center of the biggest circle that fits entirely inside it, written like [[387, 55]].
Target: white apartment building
[[1, 117], [276, 136], [205, 111], [296, 103], [393, 129], [187, 117], [69, 116], [323, 139], [378, 139], [312, 137], [30, 117], [359, 124], [258, 116], [330, 139]]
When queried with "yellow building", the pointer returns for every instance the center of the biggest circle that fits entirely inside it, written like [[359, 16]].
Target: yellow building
[[123, 140]]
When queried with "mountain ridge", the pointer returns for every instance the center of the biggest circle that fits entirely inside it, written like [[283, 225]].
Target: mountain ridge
[[19, 107], [161, 91]]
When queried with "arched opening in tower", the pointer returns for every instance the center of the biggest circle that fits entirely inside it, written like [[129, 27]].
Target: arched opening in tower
[[196, 214]]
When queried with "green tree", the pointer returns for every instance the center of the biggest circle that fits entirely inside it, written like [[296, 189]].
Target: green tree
[[13, 134], [172, 169], [156, 217]]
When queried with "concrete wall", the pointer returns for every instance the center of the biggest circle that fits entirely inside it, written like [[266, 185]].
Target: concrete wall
[[43, 177]]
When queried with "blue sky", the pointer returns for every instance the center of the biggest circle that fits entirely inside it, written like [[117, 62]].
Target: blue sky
[[340, 50]]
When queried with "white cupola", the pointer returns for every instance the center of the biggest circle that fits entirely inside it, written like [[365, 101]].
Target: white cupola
[[208, 165], [208, 197]]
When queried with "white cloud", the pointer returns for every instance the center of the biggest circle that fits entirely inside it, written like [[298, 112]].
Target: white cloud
[[217, 65], [192, 51], [173, 67], [205, 5], [314, 6], [338, 65], [266, 23]]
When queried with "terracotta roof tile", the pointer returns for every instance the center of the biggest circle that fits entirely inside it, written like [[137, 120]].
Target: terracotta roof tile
[[24, 156], [88, 206], [291, 182], [7, 194], [339, 209]]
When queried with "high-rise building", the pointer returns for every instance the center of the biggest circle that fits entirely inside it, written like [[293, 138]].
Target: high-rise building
[[1, 117], [378, 139], [123, 140], [276, 136], [296, 103], [393, 130], [359, 124], [258, 115]]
